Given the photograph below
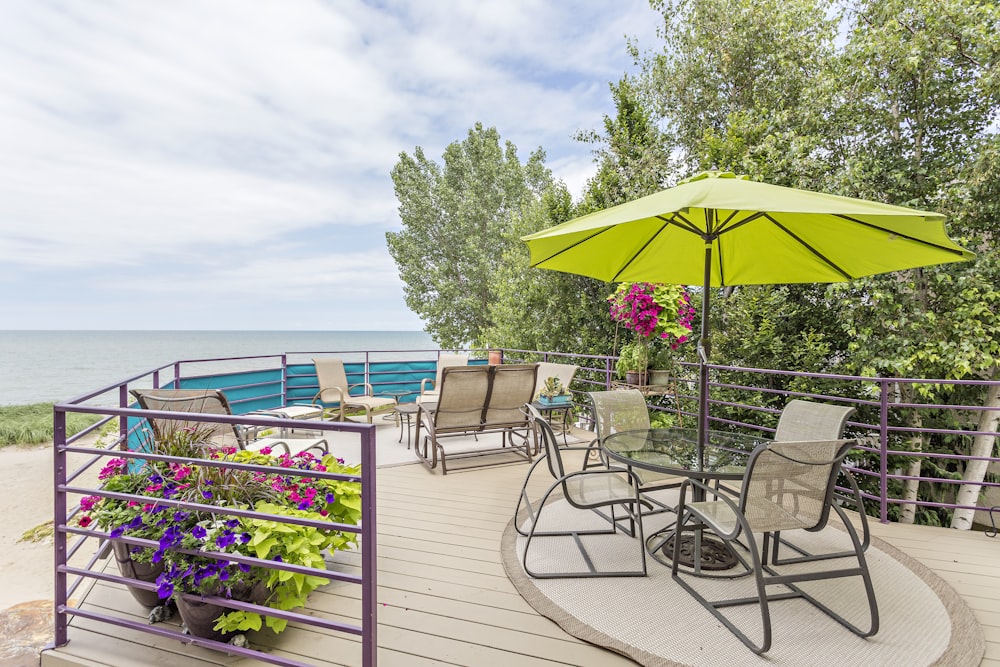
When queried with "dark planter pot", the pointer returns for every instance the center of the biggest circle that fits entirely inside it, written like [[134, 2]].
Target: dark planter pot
[[147, 572], [636, 377], [199, 617]]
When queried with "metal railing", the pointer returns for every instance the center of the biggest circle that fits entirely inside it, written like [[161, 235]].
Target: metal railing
[[75, 542], [743, 399]]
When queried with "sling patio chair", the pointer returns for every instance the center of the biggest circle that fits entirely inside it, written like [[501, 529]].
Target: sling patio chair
[[786, 486], [625, 410], [214, 402], [431, 389], [585, 490], [806, 420], [333, 388]]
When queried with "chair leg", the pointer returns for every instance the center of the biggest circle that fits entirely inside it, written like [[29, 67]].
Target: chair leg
[[713, 606]]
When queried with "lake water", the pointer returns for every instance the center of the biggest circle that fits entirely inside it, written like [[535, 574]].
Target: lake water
[[52, 366]]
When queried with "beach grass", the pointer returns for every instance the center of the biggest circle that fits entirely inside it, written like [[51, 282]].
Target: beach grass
[[32, 424]]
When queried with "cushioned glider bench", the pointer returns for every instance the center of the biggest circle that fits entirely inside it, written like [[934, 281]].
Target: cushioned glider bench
[[474, 400]]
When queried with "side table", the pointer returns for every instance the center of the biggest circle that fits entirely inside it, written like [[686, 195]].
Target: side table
[[550, 408], [405, 411]]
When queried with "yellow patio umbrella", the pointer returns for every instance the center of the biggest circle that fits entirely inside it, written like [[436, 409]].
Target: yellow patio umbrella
[[717, 229]]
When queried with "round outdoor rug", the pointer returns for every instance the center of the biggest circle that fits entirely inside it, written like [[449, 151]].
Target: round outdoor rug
[[655, 622]]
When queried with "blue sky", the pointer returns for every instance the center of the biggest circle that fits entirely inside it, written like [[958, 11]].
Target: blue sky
[[225, 164]]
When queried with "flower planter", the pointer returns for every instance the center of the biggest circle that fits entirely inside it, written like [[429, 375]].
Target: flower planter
[[199, 617], [555, 400], [147, 572]]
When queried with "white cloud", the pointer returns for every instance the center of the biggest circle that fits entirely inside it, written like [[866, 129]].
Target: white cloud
[[221, 137]]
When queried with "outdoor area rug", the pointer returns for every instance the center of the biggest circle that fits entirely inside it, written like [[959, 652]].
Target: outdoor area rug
[[655, 622]]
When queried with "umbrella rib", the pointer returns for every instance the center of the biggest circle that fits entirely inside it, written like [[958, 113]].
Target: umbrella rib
[[681, 222], [811, 249], [570, 247], [666, 223], [900, 235], [750, 218]]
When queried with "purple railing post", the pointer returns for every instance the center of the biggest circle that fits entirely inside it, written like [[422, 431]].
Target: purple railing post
[[123, 403], [883, 439], [284, 379], [369, 564], [156, 379], [607, 373], [177, 375], [59, 534]]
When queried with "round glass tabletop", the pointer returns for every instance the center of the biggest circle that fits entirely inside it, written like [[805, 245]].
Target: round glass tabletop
[[675, 451]]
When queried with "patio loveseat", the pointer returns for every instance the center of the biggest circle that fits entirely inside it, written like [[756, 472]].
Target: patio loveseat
[[477, 400]]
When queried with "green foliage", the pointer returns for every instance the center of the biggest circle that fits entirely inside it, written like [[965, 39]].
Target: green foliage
[[661, 419], [276, 493], [740, 83], [553, 387], [457, 227], [634, 356], [32, 424]]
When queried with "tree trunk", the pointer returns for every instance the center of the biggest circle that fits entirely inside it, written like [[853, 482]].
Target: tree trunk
[[975, 471], [914, 444]]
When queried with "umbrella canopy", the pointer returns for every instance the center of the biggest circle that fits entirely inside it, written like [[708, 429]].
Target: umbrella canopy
[[717, 229], [759, 234]]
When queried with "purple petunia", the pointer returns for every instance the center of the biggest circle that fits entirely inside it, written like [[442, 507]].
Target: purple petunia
[[199, 532], [227, 539]]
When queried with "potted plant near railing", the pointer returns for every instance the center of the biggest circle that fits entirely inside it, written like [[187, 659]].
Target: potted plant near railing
[[633, 362], [655, 312], [276, 493], [553, 392]]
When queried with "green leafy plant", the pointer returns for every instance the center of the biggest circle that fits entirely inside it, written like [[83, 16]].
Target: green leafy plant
[[276, 493], [553, 387], [634, 357]]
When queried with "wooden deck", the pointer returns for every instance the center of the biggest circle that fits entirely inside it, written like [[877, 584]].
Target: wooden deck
[[444, 598]]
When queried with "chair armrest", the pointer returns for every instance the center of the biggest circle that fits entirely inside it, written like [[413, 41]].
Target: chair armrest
[[423, 384], [318, 398]]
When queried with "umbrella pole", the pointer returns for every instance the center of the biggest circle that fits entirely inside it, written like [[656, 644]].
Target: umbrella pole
[[704, 350]]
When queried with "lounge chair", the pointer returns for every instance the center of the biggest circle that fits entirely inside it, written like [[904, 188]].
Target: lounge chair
[[431, 389], [787, 486], [333, 388], [587, 490], [546, 370], [214, 402]]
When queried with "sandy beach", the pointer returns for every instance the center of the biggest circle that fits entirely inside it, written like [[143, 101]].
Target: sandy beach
[[26, 568]]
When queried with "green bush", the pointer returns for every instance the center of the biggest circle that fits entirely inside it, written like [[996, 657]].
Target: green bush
[[32, 424]]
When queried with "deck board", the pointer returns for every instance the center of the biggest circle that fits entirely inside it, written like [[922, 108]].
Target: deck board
[[444, 598]]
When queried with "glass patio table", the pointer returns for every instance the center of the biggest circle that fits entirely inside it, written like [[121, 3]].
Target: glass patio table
[[674, 451]]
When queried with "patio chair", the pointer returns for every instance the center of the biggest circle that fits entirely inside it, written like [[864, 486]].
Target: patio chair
[[585, 490], [333, 388], [431, 389], [806, 420], [214, 402], [787, 486], [625, 410], [546, 370]]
